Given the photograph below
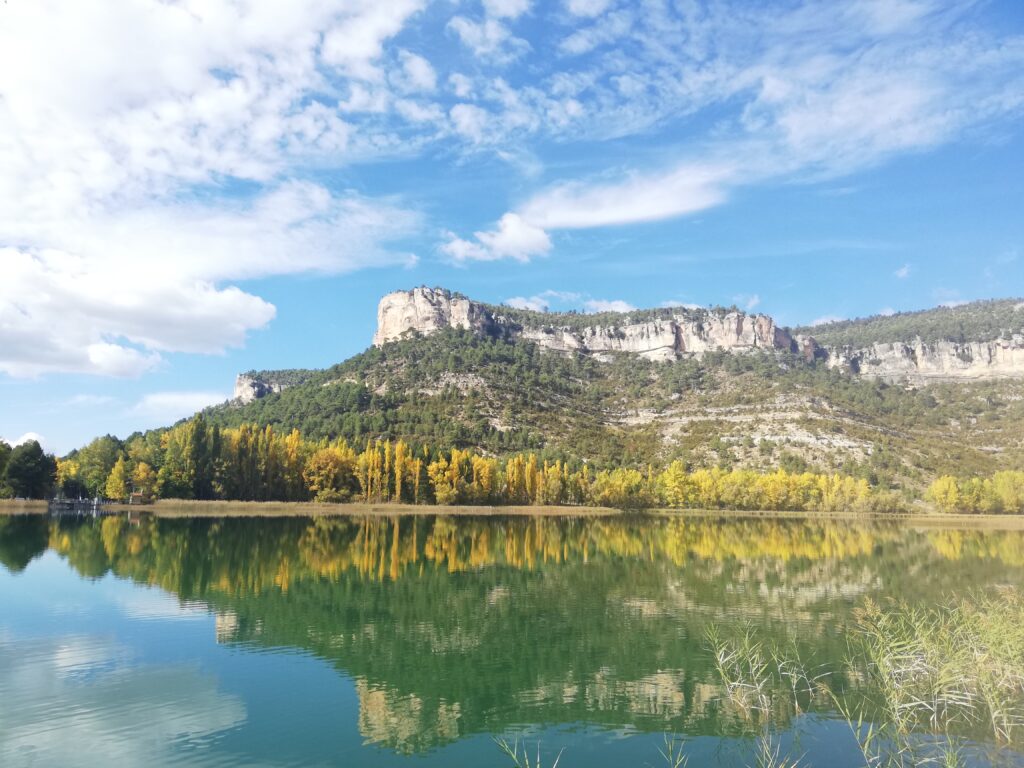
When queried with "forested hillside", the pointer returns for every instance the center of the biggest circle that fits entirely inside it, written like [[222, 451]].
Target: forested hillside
[[976, 321], [459, 416], [759, 411]]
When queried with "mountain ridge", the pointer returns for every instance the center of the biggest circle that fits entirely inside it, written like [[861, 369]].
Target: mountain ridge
[[917, 347], [501, 392]]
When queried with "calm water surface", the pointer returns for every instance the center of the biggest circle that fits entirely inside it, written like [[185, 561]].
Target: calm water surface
[[413, 641]]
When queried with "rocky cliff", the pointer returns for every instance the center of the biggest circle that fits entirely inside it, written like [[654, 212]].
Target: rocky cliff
[[676, 333], [921, 362], [669, 336]]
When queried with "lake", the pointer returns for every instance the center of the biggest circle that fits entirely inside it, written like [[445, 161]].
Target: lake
[[413, 641]]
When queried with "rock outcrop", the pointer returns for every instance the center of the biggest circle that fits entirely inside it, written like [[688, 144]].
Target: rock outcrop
[[679, 333], [670, 334], [921, 362], [249, 387], [426, 310]]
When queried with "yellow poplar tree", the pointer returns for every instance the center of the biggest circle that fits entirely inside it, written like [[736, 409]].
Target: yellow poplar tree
[[116, 487]]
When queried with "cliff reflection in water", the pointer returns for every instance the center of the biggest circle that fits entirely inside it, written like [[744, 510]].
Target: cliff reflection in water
[[453, 626]]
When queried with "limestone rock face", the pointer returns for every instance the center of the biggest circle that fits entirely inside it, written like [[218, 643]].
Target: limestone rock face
[[424, 311], [939, 361], [685, 333], [673, 335], [249, 388]]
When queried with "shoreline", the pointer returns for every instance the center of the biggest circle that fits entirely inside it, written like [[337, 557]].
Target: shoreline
[[167, 508]]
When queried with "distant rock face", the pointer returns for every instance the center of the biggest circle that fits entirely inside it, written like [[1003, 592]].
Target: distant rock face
[[249, 388], [424, 311], [940, 361], [678, 334], [689, 333]]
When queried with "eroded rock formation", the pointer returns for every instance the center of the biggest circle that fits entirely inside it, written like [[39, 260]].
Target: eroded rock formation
[[249, 387], [682, 332]]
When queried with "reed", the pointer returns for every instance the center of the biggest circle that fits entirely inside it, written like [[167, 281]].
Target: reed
[[521, 759]]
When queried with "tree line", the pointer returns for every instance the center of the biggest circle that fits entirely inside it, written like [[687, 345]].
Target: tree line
[[1002, 493], [203, 461], [26, 471]]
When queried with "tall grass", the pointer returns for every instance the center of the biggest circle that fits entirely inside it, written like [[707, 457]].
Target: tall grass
[[935, 677]]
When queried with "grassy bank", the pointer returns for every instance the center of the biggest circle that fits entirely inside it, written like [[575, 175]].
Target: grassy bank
[[21, 507]]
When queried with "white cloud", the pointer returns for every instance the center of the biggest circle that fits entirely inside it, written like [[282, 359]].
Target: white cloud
[[536, 303], [686, 189], [142, 282], [903, 272], [826, 319], [804, 97], [418, 73], [509, 9], [541, 301], [952, 303], [167, 407], [469, 121], [488, 39], [25, 438], [605, 31], [417, 112], [587, 7], [119, 219], [356, 40], [461, 85], [569, 300], [748, 301], [608, 305], [514, 238], [887, 311]]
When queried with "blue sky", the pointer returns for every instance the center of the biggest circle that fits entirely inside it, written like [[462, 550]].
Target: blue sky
[[191, 189]]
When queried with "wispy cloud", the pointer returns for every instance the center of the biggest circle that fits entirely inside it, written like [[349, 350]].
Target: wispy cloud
[[748, 301], [608, 305], [166, 407], [903, 272], [826, 319], [816, 101], [543, 301]]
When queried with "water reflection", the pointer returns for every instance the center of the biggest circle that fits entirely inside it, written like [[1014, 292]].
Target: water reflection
[[458, 626]]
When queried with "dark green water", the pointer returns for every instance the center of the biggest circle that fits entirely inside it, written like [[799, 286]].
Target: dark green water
[[413, 641]]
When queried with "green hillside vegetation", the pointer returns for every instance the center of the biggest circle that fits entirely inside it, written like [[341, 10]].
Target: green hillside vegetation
[[288, 377], [495, 398], [457, 390], [977, 321], [577, 321]]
